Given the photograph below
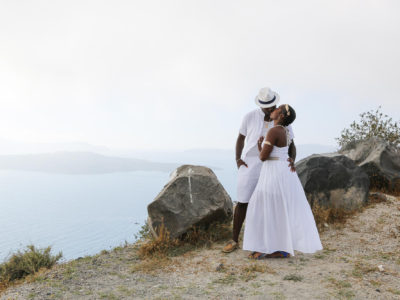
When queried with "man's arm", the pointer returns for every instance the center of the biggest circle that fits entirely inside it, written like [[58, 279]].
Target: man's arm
[[292, 151], [292, 156], [239, 149]]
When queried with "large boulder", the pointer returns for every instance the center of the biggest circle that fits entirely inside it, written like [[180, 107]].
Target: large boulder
[[333, 181], [192, 197], [380, 160]]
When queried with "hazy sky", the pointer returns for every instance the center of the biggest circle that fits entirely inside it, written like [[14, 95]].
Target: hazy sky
[[181, 74]]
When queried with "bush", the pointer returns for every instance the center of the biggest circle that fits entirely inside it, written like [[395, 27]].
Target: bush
[[28, 262], [372, 124]]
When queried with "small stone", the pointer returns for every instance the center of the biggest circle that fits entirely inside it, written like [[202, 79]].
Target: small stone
[[219, 267], [326, 225], [380, 268], [378, 290]]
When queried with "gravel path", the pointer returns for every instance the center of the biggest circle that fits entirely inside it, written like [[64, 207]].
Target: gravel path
[[360, 260]]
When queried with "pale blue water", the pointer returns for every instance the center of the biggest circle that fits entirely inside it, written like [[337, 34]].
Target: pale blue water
[[78, 214]]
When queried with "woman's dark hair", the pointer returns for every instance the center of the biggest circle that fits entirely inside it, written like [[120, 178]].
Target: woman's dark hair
[[289, 115]]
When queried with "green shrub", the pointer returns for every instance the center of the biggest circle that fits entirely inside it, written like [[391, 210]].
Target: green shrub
[[372, 124], [28, 262], [144, 232]]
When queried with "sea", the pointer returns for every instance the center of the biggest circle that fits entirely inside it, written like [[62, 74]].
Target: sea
[[79, 215]]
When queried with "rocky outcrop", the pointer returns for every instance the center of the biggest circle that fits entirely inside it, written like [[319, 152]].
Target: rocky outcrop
[[192, 197], [333, 181], [380, 161]]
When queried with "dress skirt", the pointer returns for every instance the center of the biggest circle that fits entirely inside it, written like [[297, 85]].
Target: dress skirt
[[279, 217]]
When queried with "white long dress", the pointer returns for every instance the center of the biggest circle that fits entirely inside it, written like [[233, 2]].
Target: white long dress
[[279, 217]]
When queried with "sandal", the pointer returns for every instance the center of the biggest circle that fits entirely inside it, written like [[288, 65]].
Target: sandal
[[230, 247], [278, 254], [257, 255], [251, 255]]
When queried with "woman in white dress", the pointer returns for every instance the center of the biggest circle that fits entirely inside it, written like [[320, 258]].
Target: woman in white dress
[[279, 219]]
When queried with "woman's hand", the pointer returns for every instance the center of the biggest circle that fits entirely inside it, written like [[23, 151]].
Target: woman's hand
[[259, 143], [291, 164], [240, 162]]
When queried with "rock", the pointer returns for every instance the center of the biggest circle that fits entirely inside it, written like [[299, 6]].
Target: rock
[[333, 181], [380, 160], [192, 197]]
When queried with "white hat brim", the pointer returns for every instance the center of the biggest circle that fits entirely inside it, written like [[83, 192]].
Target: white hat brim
[[277, 98]]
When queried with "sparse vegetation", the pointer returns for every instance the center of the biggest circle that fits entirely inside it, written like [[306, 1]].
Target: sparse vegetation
[[250, 272], [372, 124], [393, 291], [155, 252], [324, 215], [27, 262], [163, 245], [160, 245], [346, 294], [293, 277], [362, 268], [144, 232], [227, 279], [339, 283]]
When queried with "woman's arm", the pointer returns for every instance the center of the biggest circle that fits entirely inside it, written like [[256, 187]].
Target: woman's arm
[[269, 143]]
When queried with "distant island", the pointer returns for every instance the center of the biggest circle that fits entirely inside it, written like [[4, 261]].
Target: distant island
[[79, 163], [90, 162]]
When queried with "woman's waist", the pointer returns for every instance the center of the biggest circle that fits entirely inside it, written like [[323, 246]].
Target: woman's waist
[[277, 158], [278, 155]]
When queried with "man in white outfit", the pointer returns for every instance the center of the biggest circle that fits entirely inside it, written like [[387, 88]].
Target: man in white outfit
[[255, 124]]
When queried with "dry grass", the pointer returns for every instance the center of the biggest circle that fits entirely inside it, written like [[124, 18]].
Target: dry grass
[[293, 277], [163, 245], [156, 252], [158, 246], [361, 269], [340, 284], [150, 266], [324, 215], [250, 272]]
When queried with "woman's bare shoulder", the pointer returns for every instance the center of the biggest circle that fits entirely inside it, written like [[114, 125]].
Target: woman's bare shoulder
[[276, 131]]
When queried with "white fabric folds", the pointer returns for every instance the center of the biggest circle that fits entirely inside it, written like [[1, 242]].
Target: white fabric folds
[[279, 217]]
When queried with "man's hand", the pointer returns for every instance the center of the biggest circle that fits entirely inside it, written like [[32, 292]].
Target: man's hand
[[291, 164], [240, 162]]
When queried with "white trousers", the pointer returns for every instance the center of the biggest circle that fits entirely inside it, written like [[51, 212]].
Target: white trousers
[[248, 178]]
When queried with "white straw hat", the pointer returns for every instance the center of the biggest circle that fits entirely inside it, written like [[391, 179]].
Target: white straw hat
[[267, 98]]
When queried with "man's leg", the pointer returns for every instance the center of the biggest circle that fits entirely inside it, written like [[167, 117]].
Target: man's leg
[[247, 181], [238, 219]]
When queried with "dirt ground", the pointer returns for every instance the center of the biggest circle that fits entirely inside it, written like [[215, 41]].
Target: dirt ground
[[360, 260]]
